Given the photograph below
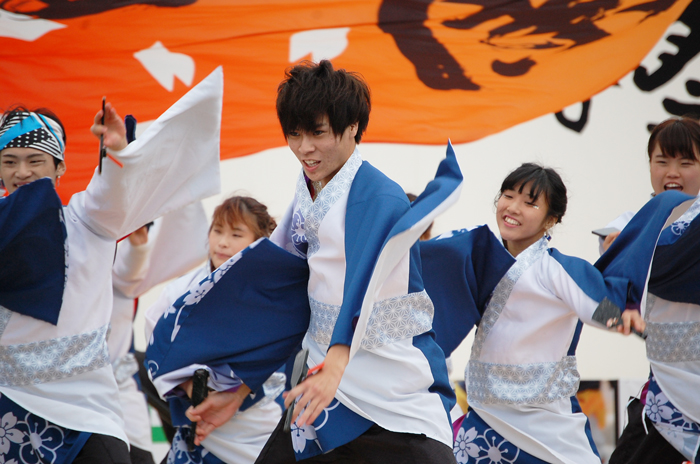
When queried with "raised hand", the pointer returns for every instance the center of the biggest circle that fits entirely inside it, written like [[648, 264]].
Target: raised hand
[[113, 129]]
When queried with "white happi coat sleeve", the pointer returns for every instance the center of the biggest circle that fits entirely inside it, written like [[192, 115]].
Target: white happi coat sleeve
[[130, 267], [564, 287], [175, 162]]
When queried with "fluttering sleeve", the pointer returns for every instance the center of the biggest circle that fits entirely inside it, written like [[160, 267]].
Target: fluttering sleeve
[[460, 271], [176, 244], [675, 272], [389, 244], [33, 250], [251, 313], [630, 255], [174, 162]]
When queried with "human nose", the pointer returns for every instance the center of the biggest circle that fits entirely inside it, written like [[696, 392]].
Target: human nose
[[223, 242], [306, 144], [24, 171], [673, 170], [513, 206]]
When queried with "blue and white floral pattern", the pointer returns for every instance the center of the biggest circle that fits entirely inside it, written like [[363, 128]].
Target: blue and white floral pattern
[[44, 441], [179, 453], [198, 290], [298, 234], [335, 426], [300, 435], [29, 439], [9, 434], [677, 428], [464, 446], [477, 443], [657, 407], [680, 225]]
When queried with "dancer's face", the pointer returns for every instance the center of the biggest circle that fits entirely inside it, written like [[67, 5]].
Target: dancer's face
[[321, 152], [674, 173], [521, 219], [225, 241], [20, 166]]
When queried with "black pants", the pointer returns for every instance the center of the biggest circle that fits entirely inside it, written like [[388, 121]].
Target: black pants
[[140, 456], [637, 447], [375, 446], [103, 449]]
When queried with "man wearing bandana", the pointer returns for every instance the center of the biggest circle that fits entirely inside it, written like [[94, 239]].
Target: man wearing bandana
[[59, 400], [34, 154]]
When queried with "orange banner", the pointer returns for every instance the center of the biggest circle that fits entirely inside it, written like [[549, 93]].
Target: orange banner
[[460, 69]]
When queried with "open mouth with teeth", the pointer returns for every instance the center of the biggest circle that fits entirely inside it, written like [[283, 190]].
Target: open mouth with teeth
[[510, 221], [311, 163], [673, 186]]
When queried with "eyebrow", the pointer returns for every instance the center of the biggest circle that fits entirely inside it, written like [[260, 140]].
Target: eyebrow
[[662, 154], [33, 155]]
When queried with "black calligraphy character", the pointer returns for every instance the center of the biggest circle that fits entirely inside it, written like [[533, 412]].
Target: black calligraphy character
[[65, 9]]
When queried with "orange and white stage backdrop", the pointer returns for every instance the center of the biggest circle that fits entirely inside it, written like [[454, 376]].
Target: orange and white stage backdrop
[[459, 69]]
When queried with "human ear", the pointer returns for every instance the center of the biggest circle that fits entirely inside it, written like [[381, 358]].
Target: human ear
[[353, 128], [60, 168], [550, 222]]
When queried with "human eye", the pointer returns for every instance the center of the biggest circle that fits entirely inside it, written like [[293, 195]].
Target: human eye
[[533, 204], [293, 133]]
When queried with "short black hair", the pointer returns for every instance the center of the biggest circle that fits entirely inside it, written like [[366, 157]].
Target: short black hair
[[545, 181], [676, 137], [310, 91], [20, 109]]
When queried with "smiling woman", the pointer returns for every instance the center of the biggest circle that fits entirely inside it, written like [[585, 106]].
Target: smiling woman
[[674, 156], [522, 375], [532, 200]]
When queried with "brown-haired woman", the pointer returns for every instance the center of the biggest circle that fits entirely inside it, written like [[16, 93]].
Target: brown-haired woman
[[237, 223]]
